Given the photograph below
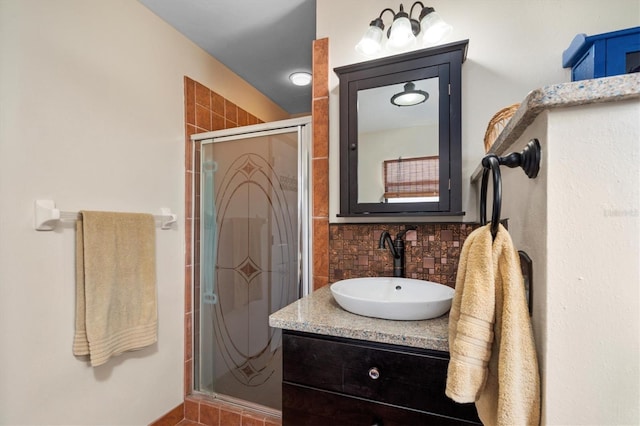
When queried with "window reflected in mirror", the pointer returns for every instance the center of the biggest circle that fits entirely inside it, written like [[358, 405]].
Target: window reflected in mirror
[[412, 180], [398, 155]]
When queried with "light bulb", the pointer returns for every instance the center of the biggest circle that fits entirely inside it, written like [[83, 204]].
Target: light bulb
[[371, 42], [401, 35], [409, 99], [434, 29]]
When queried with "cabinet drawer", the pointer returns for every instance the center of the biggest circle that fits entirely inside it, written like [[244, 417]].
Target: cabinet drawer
[[409, 377], [306, 406]]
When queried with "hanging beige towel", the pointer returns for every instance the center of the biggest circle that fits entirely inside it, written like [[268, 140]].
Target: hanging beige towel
[[493, 358], [116, 308]]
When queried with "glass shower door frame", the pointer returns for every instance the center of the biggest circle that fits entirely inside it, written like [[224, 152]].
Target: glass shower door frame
[[303, 128]]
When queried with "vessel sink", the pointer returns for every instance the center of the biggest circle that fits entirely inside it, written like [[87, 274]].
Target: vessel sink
[[393, 298]]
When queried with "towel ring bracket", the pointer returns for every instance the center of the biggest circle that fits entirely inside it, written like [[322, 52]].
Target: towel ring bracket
[[528, 160]]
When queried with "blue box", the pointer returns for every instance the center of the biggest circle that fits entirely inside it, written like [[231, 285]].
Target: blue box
[[603, 55]]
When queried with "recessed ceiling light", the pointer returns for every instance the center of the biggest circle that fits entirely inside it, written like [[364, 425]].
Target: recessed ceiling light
[[300, 78]]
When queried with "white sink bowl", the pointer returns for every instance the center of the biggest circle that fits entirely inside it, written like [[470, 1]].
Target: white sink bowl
[[393, 298]]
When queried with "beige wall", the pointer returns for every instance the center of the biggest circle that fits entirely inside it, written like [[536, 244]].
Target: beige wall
[[515, 46], [593, 270], [579, 222], [91, 116]]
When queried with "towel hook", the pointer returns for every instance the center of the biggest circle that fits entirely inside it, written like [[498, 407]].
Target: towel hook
[[528, 160]]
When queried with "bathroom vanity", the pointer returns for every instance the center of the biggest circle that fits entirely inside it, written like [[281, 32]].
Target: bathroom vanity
[[341, 368]]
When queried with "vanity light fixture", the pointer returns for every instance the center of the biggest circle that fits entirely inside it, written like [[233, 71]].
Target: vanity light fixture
[[405, 32], [409, 96], [300, 78]]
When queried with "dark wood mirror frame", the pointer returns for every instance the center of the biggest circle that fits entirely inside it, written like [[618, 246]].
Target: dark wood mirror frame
[[444, 62]]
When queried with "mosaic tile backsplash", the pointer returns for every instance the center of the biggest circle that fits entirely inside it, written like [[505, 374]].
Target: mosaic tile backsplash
[[431, 252]]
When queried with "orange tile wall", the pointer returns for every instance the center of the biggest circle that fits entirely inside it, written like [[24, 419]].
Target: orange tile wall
[[205, 110], [320, 162]]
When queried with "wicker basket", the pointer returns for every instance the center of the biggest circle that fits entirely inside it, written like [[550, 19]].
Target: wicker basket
[[497, 124]]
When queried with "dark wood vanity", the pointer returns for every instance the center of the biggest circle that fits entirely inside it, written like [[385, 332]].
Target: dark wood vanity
[[340, 381]]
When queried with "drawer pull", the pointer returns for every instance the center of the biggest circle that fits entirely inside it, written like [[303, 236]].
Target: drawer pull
[[374, 373]]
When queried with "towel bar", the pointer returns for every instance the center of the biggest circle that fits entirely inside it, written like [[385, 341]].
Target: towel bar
[[47, 216]]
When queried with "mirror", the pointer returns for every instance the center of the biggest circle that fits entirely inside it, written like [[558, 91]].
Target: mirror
[[397, 158], [404, 171]]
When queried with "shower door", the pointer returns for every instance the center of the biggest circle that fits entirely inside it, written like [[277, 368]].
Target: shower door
[[253, 207]]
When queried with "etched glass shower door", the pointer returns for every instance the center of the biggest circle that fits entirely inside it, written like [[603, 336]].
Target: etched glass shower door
[[250, 263]]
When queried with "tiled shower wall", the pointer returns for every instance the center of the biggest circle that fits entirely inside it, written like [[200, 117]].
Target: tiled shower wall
[[320, 163], [205, 110], [431, 252]]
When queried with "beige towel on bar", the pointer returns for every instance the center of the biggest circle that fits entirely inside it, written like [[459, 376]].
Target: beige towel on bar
[[493, 357], [116, 307]]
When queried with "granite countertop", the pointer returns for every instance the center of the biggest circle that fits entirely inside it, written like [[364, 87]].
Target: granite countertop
[[319, 313], [563, 95]]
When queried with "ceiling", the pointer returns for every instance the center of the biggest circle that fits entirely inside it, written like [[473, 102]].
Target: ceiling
[[263, 41]]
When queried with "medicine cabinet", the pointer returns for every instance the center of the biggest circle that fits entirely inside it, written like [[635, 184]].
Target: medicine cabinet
[[401, 158]]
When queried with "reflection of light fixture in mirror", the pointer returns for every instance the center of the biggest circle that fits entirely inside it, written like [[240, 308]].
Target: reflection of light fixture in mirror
[[409, 96], [404, 30], [300, 78]]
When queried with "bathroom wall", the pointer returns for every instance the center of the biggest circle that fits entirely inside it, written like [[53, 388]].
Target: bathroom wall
[[596, 377], [585, 316], [514, 47], [92, 116]]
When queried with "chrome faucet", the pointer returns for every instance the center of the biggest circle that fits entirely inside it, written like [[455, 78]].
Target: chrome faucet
[[396, 247]]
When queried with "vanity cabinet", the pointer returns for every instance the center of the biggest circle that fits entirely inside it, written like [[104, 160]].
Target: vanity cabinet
[[337, 381]]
